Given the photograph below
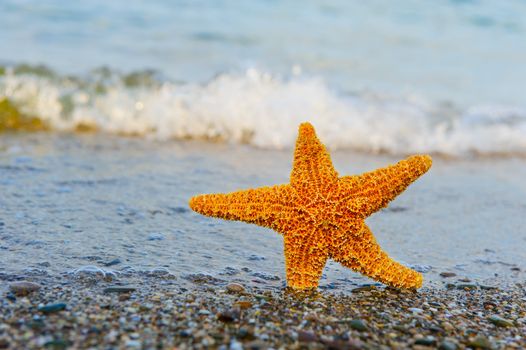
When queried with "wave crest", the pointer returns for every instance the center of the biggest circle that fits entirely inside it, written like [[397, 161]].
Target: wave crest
[[261, 109]]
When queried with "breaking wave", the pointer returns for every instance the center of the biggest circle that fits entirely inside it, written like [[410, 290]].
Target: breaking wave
[[260, 109]]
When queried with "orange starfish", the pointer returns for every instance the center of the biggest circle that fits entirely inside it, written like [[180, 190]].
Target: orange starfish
[[321, 215]]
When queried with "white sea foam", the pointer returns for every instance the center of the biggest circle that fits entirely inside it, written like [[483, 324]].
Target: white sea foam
[[265, 110]]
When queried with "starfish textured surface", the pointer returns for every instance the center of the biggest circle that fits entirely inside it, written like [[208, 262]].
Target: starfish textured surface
[[322, 215]]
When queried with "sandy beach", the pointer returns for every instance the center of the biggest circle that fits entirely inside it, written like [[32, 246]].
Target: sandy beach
[[95, 211], [203, 312]]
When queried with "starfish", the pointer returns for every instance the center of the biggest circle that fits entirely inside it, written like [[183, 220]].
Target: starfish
[[322, 215]]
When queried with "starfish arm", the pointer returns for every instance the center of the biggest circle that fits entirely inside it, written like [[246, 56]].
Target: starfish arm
[[265, 206], [312, 171], [361, 253], [305, 257], [374, 190]]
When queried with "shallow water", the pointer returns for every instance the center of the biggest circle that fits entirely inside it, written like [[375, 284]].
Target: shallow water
[[120, 204]]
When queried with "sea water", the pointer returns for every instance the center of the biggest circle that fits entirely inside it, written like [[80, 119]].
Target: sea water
[[212, 94], [93, 204], [376, 76]]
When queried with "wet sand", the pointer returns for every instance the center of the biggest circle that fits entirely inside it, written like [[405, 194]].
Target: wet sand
[[121, 205]]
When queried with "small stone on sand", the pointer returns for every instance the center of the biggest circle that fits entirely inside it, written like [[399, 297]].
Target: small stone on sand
[[235, 288], [23, 288]]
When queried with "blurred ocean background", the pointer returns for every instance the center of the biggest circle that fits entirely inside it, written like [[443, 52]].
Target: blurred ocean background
[[378, 76], [213, 92]]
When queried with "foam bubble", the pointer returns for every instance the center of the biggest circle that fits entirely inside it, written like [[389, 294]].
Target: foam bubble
[[264, 110], [91, 272]]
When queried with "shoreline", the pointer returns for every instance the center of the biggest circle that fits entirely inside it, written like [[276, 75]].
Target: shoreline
[[204, 314], [121, 204]]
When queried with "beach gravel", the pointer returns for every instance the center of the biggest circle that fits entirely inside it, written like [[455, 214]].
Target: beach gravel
[[22, 288], [205, 315]]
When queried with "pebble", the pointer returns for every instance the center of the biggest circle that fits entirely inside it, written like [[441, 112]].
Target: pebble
[[228, 316], [420, 347], [156, 237], [499, 321], [312, 317], [480, 342], [427, 341], [415, 310], [256, 345], [447, 345], [208, 341], [185, 333], [307, 337], [354, 344], [235, 345], [245, 334], [119, 289], [358, 325], [161, 272], [113, 262], [466, 286], [266, 276], [486, 287], [447, 326], [243, 304], [447, 274], [254, 257], [57, 344], [230, 271], [202, 278], [364, 288], [124, 296], [52, 308], [24, 288], [179, 210], [235, 288], [133, 344]]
